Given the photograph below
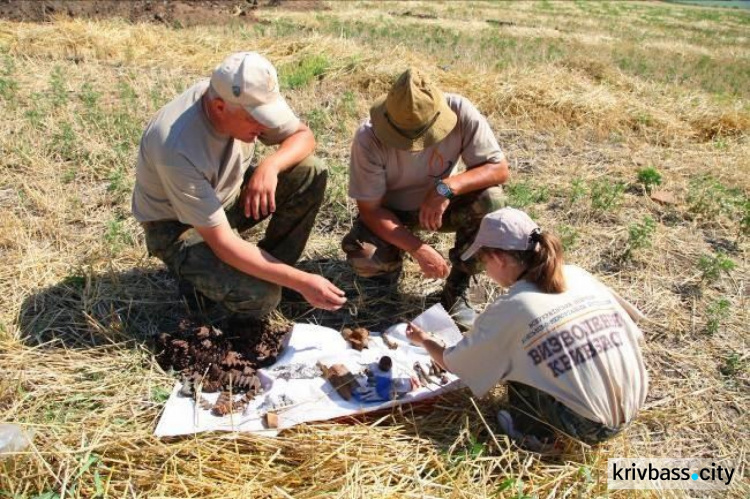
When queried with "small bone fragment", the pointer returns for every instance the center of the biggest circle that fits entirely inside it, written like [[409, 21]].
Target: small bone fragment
[[388, 341]]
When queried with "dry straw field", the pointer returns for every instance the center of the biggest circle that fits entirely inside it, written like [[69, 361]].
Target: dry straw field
[[597, 105]]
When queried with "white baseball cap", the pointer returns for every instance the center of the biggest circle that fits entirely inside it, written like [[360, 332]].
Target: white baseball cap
[[507, 229], [248, 79]]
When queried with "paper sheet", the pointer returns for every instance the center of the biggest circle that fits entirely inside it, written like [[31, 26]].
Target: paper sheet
[[306, 396]]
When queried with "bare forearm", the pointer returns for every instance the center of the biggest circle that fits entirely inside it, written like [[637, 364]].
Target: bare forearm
[[480, 177], [436, 350], [293, 150], [384, 223], [251, 260]]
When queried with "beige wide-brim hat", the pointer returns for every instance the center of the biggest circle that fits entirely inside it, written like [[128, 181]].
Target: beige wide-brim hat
[[413, 115]]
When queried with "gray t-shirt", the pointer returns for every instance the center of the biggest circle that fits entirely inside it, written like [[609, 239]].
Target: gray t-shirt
[[403, 178], [186, 170], [580, 346]]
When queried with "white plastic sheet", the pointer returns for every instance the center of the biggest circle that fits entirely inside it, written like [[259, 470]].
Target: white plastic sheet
[[311, 398]]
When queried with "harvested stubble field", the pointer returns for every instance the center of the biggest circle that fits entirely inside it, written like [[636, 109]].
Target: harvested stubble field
[[594, 104]]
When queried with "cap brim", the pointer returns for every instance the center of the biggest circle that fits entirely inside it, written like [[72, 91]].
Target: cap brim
[[475, 246], [444, 125], [273, 115]]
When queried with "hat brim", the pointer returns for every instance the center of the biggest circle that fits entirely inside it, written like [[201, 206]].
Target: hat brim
[[385, 132], [471, 251], [274, 114]]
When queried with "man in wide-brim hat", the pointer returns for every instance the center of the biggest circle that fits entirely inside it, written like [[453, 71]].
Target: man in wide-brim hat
[[404, 176]]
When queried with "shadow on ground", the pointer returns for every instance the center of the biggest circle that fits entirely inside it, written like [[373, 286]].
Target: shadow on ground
[[371, 304], [99, 309]]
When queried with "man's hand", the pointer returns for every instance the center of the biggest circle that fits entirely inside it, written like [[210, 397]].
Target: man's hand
[[321, 293], [433, 265], [432, 209], [259, 196]]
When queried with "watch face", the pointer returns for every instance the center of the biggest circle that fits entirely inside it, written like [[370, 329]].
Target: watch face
[[444, 190]]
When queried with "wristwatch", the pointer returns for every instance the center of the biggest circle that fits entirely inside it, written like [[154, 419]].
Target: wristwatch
[[443, 189]]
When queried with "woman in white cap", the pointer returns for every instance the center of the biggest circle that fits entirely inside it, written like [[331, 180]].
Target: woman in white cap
[[565, 343]]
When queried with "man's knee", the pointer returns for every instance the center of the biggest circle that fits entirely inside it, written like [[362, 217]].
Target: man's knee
[[368, 259], [489, 200], [308, 177], [314, 169], [256, 299]]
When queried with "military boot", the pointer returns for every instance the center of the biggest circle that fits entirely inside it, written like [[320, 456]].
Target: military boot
[[455, 299]]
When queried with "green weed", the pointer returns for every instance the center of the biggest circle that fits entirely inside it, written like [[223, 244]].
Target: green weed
[[318, 121], [8, 86], [116, 235], [577, 191], [75, 281], [733, 365], [474, 450], [712, 267], [348, 104], [716, 314], [68, 175], [36, 114], [649, 177], [128, 95], [745, 220], [568, 236], [709, 198], [639, 236], [522, 194], [159, 394], [47, 495], [336, 193], [58, 93], [118, 181], [606, 195], [303, 72], [89, 96], [64, 142], [512, 485]]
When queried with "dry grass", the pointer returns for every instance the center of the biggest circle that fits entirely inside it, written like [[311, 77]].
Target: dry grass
[[578, 94]]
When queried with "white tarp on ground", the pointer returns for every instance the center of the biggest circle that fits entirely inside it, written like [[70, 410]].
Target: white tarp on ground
[[305, 396]]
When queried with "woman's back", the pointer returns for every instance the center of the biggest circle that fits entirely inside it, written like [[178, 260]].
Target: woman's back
[[580, 346]]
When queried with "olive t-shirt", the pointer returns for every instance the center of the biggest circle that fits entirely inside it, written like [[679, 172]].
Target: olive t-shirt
[[403, 178], [186, 170], [580, 346]]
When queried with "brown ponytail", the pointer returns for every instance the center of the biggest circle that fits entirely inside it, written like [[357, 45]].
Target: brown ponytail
[[545, 264]]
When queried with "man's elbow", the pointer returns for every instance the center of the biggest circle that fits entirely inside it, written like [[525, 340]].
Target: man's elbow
[[309, 138], [501, 171], [218, 239]]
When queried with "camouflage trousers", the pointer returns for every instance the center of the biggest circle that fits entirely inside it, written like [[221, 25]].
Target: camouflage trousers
[[370, 256], [535, 411], [299, 194]]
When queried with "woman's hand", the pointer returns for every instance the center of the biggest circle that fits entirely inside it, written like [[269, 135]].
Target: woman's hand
[[415, 334]]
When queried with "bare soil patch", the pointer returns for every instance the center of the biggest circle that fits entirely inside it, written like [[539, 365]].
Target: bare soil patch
[[179, 13]]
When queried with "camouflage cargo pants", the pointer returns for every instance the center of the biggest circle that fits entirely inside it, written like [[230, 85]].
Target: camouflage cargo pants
[[370, 256], [526, 401], [299, 194]]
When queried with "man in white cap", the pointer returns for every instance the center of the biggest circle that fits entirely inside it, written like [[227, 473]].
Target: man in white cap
[[195, 186], [404, 177]]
